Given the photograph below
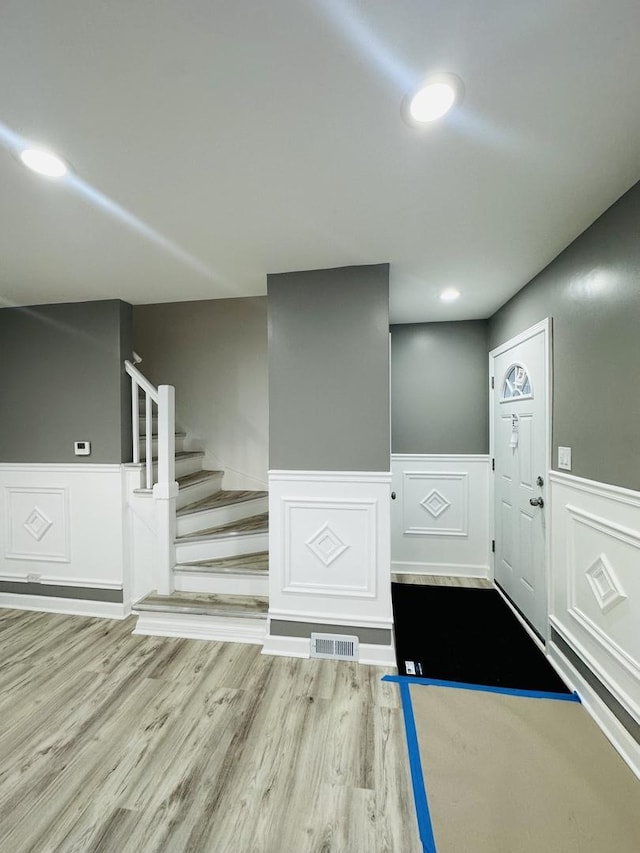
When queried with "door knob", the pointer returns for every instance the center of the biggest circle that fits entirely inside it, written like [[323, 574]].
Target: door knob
[[536, 502], [393, 496]]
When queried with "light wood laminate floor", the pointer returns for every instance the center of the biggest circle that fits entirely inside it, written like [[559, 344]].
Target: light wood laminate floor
[[115, 743]]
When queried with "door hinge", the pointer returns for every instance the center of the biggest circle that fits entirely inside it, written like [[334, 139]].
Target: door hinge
[[493, 546], [493, 382], [493, 464]]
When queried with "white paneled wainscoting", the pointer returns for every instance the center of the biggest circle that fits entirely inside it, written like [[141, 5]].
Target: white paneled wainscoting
[[440, 515], [62, 539], [594, 602], [329, 561]]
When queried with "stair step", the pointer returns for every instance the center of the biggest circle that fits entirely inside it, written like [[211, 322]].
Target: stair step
[[220, 499], [201, 604], [196, 486], [223, 507], [253, 524], [256, 564], [244, 574]]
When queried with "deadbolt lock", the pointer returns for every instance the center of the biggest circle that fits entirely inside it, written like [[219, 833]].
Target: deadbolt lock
[[539, 481]]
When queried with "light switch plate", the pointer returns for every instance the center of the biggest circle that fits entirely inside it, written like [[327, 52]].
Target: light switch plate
[[564, 458]]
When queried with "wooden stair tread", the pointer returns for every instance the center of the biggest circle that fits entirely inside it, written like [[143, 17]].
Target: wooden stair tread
[[196, 477], [220, 499], [253, 524], [255, 564], [202, 604]]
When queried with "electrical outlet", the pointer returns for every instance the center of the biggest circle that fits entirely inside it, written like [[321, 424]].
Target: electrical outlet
[[82, 448]]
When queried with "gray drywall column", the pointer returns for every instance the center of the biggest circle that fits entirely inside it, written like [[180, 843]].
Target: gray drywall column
[[592, 293], [440, 388], [62, 379], [329, 459], [329, 369]]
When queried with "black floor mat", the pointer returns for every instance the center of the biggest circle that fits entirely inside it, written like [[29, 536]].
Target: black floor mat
[[469, 636]]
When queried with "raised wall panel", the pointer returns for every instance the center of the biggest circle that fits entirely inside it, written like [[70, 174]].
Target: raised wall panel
[[329, 553], [435, 503], [595, 580], [63, 525], [36, 524], [440, 518], [329, 547]]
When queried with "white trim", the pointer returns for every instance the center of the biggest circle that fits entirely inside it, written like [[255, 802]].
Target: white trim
[[546, 327], [441, 457], [51, 580], [330, 476], [454, 570], [70, 606], [532, 634], [531, 332], [597, 669], [316, 617], [298, 647], [191, 627], [606, 720], [593, 487], [63, 467]]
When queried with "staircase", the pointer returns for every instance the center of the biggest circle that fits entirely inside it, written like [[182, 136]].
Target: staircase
[[218, 566]]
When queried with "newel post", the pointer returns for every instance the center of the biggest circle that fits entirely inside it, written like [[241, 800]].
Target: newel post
[[165, 492]]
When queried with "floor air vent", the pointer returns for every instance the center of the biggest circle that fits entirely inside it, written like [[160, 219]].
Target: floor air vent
[[334, 646]]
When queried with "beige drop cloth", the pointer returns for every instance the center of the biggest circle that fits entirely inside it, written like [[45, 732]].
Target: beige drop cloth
[[507, 774]]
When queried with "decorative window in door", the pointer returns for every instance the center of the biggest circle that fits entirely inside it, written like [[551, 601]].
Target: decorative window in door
[[516, 385]]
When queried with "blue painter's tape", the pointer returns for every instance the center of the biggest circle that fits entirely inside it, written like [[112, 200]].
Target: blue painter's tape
[[508, 691], [417, 779]]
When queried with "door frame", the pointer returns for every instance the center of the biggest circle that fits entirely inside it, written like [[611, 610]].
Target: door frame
[[546, 327]]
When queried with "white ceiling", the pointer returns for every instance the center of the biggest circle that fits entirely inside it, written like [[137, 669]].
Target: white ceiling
[[215, 141]]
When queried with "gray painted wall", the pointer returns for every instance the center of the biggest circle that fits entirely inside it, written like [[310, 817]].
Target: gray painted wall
[[62, 379], [329, 369], [439, 388], [215, 354], [592, 292]]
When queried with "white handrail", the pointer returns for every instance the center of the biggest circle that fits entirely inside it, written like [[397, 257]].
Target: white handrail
[[141, 380], [163, 398]]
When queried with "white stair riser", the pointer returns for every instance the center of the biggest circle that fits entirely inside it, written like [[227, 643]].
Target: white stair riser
[[198, 491], [224, 584], [225, 628], [216, 549], [203, 519]]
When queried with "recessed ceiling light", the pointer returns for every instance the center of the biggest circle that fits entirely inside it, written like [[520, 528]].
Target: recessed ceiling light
[[450, 294], [44, 162], [434, 99]]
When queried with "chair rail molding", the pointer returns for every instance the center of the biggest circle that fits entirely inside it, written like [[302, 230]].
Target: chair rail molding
[[440, 518], [329, 551]]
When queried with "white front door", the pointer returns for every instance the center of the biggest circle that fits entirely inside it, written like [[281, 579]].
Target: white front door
[[520, 448]]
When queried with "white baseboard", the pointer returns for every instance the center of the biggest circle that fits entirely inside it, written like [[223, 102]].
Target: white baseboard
[[606, 720], [225, 630], [298, 647], [69, 606], [450, 570]]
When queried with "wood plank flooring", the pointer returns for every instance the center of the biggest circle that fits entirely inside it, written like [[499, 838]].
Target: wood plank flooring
[[115, 743]]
